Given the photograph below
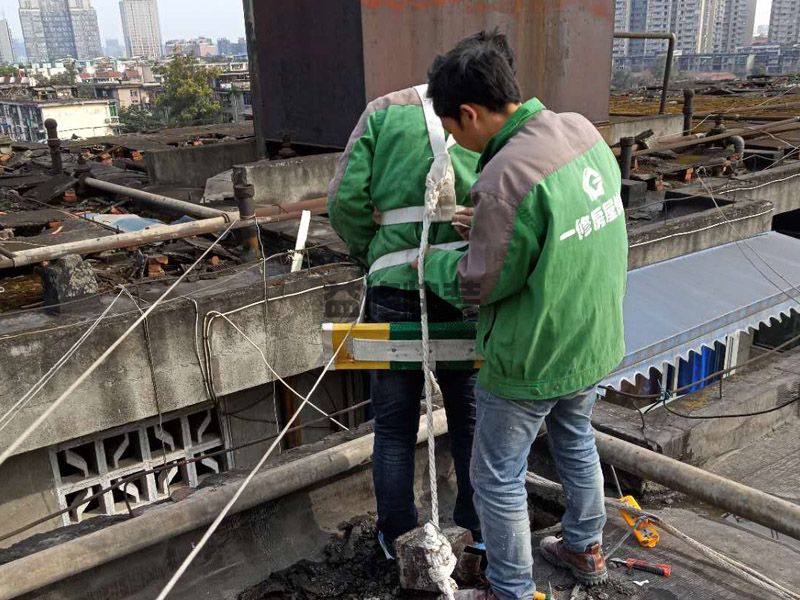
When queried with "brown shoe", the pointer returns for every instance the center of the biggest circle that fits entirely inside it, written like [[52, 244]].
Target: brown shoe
[[475, 595], [588, 567]]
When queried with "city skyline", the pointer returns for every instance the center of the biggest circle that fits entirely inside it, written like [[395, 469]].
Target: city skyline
[[179, 18]]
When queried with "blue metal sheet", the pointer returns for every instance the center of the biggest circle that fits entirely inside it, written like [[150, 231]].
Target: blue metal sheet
[[687, 303], [123, 223]]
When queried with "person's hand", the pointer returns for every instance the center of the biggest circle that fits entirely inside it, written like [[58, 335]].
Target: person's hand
[[462, 221]]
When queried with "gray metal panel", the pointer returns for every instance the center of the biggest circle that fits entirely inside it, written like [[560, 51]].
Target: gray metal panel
[[685, 303]]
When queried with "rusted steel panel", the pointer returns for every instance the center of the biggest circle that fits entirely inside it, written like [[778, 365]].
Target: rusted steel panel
[[321, 61], [563, 47]]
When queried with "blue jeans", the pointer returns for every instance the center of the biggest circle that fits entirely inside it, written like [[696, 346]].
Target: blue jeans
[[396, 404], [504, 433]]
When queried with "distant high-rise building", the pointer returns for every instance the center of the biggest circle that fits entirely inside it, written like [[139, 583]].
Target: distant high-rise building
[[19, 49], [55, 29], [734, 25], [6, 43], [114, 49], [225, 47], [784, 22], [85, 29], [700, 26], [142, 27]]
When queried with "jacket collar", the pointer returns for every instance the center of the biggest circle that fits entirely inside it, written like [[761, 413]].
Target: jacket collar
[[521, 116]]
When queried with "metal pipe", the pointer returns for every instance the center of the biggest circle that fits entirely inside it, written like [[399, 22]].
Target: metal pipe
[[243, 193], [55, 146], [157, 233], [172, 204], [785, 125], [743, 501], [626, 156], [688, 110], [656, 35], [315, 205], [160, 523]]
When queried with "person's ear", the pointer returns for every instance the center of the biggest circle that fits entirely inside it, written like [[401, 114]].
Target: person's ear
[[468, 116]]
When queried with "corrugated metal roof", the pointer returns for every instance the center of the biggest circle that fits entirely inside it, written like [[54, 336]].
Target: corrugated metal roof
[[685, 303]]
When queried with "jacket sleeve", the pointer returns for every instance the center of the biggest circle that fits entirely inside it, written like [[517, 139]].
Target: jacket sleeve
[[350, 207], [503, 250]]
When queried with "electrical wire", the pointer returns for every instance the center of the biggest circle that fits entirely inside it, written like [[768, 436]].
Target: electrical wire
[[99, 360], [241, 488]]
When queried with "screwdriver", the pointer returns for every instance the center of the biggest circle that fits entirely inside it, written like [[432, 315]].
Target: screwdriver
[[640, 565]]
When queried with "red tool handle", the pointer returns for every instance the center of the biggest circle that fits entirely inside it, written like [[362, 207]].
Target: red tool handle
[[640, 565]]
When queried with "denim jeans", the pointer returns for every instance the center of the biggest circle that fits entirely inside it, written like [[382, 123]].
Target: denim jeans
[[504, 432], [396, 404]]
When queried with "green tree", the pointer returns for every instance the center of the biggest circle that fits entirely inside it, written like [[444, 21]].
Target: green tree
[[66, 78], [138, 119], [8, 71], [188, 97]]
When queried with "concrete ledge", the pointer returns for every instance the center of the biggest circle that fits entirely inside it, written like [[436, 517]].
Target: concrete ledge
[[660, 241], [192, 165], [765, 385], [122, 390], [620, 126], [291, 180]]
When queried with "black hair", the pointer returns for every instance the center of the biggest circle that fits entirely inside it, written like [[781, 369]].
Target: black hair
[[478, 70]]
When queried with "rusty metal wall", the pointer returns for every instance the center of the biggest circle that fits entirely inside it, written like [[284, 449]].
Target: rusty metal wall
[[563, 47], [308, 75], [319, 62]]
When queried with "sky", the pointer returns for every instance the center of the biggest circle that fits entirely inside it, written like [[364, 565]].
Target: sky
[[179, 18]]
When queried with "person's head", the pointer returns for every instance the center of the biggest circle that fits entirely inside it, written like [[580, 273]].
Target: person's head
[[474, 89]]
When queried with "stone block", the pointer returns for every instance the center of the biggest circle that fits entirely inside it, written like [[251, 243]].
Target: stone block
[[412, 561], [66, 279], [633, 193]]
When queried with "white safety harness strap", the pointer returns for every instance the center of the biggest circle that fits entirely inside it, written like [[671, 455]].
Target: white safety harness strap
[[441, 171], [404, 257], [410, 214]]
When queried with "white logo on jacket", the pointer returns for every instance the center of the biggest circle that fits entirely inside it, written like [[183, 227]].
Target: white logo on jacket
[[593, 184]]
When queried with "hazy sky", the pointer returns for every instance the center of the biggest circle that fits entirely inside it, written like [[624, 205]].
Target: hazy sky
[[212, 18], [179, 18]]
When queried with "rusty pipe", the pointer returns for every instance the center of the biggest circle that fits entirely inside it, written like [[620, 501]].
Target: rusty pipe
[[656, 35], [164, 202], [57, 165], [688, 110], [785, 125], [150, 235]]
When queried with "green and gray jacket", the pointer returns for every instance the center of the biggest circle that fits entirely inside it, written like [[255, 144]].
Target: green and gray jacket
[[547, 260], [383, 168]]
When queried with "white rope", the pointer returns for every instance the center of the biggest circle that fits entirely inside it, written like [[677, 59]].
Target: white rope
[[226, 509], [100, 359], [12, 412], [439, 189], [275, 373]]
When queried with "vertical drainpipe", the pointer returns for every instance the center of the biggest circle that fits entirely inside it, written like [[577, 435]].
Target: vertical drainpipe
[[55, 146], [244, 192], [688, 110], [626, 156]]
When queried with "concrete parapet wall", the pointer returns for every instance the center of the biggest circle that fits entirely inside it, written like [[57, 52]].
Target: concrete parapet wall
[[123, 390], [290, 180], [625, 126], [698, 231], [192, 165]]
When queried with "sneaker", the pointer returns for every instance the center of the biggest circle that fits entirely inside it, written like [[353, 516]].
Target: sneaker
[[588, 567], [385, 546]]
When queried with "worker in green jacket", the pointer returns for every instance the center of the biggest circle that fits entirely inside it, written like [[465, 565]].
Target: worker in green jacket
[[547, 264], [375, 204]]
